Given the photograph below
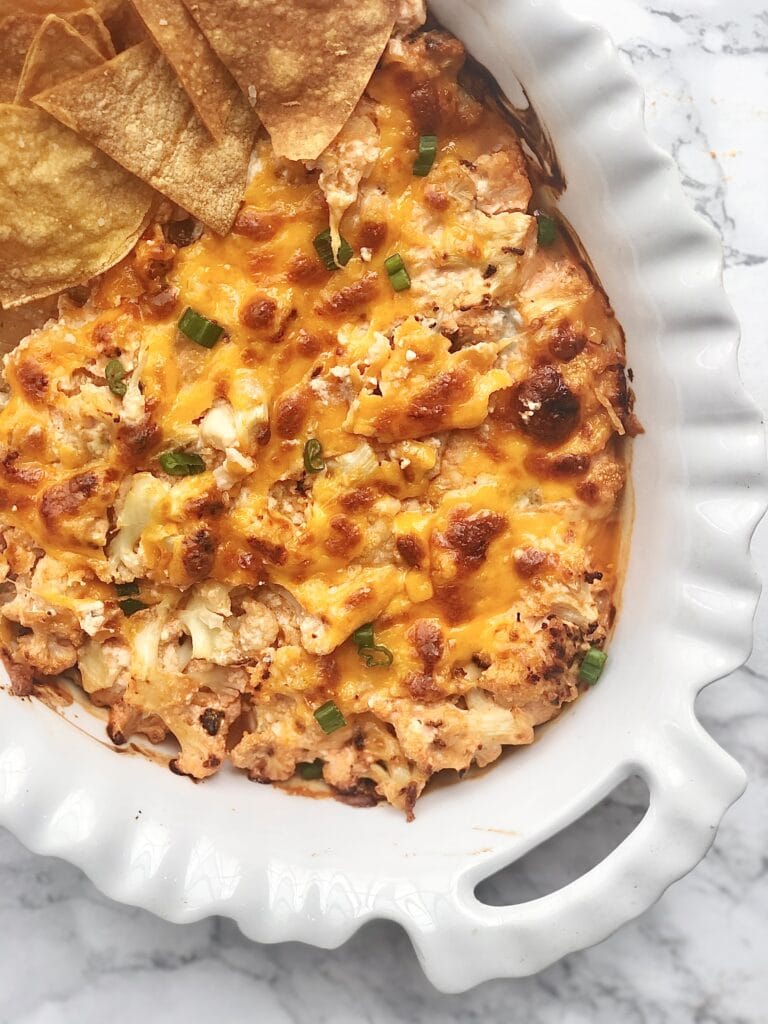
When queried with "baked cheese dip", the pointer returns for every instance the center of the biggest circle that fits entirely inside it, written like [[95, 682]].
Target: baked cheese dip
[[334, 493]]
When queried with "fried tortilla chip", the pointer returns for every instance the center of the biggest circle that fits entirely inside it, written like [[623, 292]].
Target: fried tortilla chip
[[208, 84], [302, 65], [18, 30], [91, 27], [57, 53], [41, 8], [16, 34], [135, 110], [67, 212]]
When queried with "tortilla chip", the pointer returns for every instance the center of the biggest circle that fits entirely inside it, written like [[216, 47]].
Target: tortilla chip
[[90, 26], [16, 34], [41, 8], [67, 212], [135, 110], [17, 31], [57, 53], [303, 65], [208, 83]]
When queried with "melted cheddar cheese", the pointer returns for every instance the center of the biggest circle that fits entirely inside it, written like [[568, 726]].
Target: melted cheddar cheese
[[472, 431]]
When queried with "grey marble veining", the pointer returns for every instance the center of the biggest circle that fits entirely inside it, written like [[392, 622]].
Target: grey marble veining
[[700, 956]]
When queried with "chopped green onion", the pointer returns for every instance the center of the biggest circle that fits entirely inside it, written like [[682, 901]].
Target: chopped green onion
[[547, 230], [311, 769], [427, 153], [199, 328], [394, 263], [313, 456], [398, 275], [329, 717], [324, 249], [363, 636], [373, 655], [592, 666], [377, 656], [127, 589], [131, 606], [115, 373], [181, 463]]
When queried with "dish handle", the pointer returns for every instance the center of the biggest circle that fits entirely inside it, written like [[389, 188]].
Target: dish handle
[[691, 782]]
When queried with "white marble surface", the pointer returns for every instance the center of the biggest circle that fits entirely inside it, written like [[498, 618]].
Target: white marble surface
[[701, 955]]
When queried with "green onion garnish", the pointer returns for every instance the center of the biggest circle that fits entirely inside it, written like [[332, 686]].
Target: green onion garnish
[[311, 769], [427, 153], [547, 230], [200, 329], [131, 606], [115, 373], [181, 463], [373, 655], [377, 656], [324, 249], [363, 636], [329, 717], [127, 589], [398, 275], [313, 456], [592, 666]]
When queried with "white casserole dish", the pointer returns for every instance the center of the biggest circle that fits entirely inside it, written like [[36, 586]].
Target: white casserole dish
[[288, 868]]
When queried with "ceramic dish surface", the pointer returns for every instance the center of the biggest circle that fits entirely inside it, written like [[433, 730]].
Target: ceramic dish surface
[[315, 870]]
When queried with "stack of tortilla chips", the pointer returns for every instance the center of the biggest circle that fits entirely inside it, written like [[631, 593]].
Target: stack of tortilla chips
[[104, 109]]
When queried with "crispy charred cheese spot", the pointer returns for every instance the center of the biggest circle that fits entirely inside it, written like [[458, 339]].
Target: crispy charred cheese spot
[[462, 495]]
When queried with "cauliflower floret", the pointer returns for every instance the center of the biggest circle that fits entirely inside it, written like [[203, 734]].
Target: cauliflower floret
[[218, 428], [46, 652], [442, 735], [125, 720], [346, 161], [270, 750], [139, 506], [218, 636], [379, 759], [233, 469], [345, 767], [54, 583], [492, 726], [287, 611], [250, 408], [133, 407], [257, 628], [146, 642], [502, 182], [103, 665], [51, 646], [536, 674], [19, 552], [91, 616], [356, 466], [201, 729], [204, 618], [363, 761]]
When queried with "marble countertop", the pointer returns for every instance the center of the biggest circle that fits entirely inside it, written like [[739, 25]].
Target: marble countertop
[[72, 956]]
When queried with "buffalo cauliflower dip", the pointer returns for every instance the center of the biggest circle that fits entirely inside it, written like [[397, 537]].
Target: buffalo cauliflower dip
[[334, 494]]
